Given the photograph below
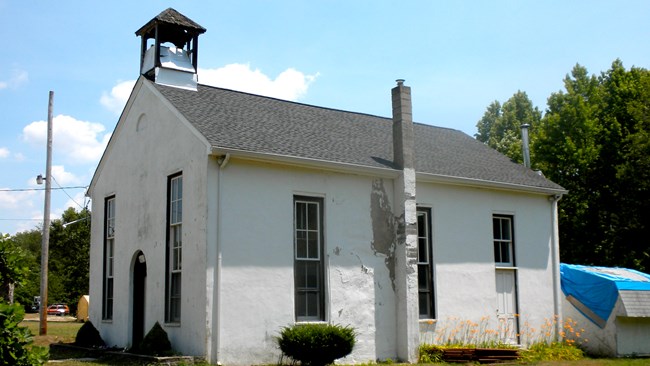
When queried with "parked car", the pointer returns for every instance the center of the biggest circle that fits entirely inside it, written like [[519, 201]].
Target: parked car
[[35, 307], [58, 309]]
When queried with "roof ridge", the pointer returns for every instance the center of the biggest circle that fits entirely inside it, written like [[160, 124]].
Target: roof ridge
[[295, 102]]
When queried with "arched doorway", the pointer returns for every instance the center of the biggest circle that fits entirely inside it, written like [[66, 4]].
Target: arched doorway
[[139, 280]]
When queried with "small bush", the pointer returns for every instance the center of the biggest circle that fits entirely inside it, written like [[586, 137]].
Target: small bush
[[316, 344], [156, 342], [430, 353], [14, 340], [88, 336]]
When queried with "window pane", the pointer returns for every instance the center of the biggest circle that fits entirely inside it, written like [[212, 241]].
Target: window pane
[[300, 216], [109, 288], [176, 285], [301, 304], [301, 244], [505, 252], [505, 229], [496, 228], [311, 272], [423, 277], [423, 255], [497, 252], [312, 245], [312, 216], [312, 304], [301, 276], [421, 223], [424, 305]]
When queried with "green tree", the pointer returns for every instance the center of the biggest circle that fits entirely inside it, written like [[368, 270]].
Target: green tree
[[68, 265], [69, 257], [13, 268], [30, 243], [593, 140], [500, 126], [566, 151]]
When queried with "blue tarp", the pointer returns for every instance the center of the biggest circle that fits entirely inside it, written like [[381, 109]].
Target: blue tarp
[[597, 287]]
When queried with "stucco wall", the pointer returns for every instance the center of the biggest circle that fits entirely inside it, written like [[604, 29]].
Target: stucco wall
[[463, 255], [257, 252], [258, 257], [147, 147], [595, 340]]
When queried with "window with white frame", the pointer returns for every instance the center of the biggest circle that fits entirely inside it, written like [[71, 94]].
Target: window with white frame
[[426, 299], [503, 240], [174, 248], [109, 255], [308, 259]]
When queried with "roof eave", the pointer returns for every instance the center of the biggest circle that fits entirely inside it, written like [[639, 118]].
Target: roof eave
[[378, 172], [304, 162], [473, 182]]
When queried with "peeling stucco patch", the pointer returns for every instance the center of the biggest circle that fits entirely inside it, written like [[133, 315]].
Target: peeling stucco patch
[[384, 226]]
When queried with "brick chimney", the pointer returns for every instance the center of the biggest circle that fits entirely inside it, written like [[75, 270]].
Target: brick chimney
[[405, 210], [402, 126]]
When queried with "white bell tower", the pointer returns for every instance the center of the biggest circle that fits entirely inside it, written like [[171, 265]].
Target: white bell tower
[[169, 52]]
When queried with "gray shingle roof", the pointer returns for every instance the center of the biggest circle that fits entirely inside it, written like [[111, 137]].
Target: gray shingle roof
[[636, 303], [235, 120]]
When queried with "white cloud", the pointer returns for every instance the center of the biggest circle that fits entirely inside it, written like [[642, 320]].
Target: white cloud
[[18, 78], [80, 141], [64, 178], [4, 152], [14, 200], [116, 99], [290, 84]]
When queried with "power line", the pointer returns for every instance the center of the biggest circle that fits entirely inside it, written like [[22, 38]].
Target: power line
[[39, 189], [66, 193], [21, 219]]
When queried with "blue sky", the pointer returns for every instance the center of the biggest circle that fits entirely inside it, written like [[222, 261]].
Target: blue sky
[[457, 56]]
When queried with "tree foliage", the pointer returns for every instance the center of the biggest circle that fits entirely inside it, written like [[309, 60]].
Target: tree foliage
[[500, 127], [13, 267], [594, 140], [68, 267]]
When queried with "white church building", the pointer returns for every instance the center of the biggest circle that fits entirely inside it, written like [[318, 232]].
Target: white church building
[[225, 216]]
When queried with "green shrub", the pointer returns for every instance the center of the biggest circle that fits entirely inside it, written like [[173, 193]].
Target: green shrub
[[14, 340], [316, 344], [88, 336], [156, 342], [430, 353]]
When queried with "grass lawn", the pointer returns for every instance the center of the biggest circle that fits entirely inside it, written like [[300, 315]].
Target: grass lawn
[[65, 332]]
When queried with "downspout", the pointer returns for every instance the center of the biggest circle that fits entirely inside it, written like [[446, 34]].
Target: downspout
[[223, 162], [524, 144], [555, 249]]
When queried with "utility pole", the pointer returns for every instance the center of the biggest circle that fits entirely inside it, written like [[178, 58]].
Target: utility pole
[[45, 243]]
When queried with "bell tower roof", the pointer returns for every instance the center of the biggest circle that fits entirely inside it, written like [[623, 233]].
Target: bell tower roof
[[172, 27]]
